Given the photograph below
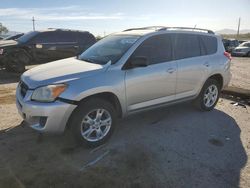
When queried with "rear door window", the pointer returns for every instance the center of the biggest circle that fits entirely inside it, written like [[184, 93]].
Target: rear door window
[[45, 37], [186, 46], [209, 43], [55, 37], [66, 36], [156, 49]]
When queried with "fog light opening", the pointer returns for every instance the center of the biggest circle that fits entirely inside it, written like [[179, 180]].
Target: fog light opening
[[42, 121]]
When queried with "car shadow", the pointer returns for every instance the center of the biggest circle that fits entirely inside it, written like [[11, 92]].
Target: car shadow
[[176, 146]]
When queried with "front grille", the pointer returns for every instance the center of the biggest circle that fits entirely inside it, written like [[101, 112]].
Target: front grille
[[23, 88]]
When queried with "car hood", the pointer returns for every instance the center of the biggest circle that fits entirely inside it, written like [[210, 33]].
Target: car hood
[[60, 71], [4, 43]]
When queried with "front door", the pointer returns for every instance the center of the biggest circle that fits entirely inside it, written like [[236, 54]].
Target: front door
[[155, 83]]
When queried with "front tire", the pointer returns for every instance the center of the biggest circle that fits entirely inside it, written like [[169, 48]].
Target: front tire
[[93, 122], [208, 96]]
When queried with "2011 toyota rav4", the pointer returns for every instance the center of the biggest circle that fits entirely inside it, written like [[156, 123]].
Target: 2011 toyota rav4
[[126, 72]]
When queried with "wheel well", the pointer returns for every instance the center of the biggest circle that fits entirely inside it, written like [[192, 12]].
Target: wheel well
[[218, 78], [110, 97]]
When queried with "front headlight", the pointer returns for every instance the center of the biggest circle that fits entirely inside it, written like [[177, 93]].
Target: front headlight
[[48, 93]]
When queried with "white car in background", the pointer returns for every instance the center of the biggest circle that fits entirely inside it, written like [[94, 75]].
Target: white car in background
[[242, 50]]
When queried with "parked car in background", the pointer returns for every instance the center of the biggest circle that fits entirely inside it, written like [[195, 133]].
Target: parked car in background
[[124, 73], [37, 47], [1, 38], [230, 44], [242, 50], [241, 41], [14, 37]]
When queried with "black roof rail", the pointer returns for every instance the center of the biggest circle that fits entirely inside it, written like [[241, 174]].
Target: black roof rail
[[187, 28], [162, 28]]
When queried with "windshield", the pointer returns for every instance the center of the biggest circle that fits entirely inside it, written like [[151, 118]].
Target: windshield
[[108, 49], [245, 44], [13, 37], [27, 36]]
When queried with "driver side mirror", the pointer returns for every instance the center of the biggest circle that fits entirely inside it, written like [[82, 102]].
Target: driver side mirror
[[139, 61]]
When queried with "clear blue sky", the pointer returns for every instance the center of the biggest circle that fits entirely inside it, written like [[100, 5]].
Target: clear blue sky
[[115, 15]]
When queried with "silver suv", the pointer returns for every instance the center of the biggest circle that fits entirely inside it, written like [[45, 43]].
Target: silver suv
[[124, 73]]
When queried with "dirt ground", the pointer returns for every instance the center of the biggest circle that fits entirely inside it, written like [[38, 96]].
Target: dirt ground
[[240, 82], [176, 146]]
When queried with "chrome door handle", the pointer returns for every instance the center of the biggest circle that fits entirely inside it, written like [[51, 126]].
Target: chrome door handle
[[170, 70]]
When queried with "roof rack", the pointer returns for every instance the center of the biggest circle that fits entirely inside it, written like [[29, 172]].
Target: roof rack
[[145, 28], [187, 28], [163, 28], [62, 29]]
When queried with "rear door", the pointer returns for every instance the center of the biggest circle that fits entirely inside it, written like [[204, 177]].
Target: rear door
[[192, 66], [66, 44], [154, 84]]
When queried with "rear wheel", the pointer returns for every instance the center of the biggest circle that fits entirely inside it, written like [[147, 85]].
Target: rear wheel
[[248, 54], [208, 96], [93, 122]]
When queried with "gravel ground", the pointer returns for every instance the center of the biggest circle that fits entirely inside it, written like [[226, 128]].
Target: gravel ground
[[240, 82], [176, 146]]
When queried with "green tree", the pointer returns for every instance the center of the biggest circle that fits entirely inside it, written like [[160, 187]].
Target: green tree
[[3, 29], [98, 37]]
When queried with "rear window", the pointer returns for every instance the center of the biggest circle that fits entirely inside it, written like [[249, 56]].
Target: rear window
[[209, 43], [186, 46]]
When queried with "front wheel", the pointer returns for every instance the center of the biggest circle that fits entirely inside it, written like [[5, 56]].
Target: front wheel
[[208, 96], [93, 122]]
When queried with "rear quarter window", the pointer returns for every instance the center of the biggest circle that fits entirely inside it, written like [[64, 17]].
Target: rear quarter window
[[209, 44]]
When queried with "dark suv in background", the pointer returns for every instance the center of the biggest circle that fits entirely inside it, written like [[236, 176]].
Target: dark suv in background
[[39, 47], [230, 44]]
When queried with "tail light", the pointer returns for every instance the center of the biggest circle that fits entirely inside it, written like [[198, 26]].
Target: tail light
[[228, 55]]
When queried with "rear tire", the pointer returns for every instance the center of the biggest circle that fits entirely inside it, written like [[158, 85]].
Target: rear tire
[[208, 96], [248, 54], [93, 122]]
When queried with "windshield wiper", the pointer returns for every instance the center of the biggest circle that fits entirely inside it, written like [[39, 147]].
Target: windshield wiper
[[87, 60]]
